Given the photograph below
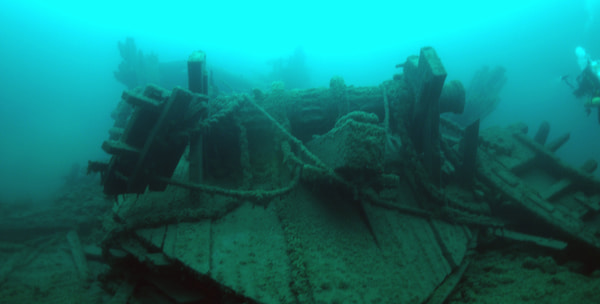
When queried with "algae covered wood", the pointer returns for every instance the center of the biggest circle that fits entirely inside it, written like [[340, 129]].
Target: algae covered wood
[[358, 252], [246, 251], [151, 143], [308, 223], [311, 248], [163, 146], [354, 146], [249, 254], [426, 75], [78, 255], [544, 189]]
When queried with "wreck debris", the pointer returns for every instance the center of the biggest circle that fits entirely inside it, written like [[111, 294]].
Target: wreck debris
[[542, 133], [25, 256], [197, 75], [150, 139], [426, 75], [442, 292], [78, 255], [285, 212], [197, 83], [521, 237], [163, 223], [554, 145], [539, 185]]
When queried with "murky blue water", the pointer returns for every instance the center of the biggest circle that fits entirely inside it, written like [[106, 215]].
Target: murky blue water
[[57, 60]]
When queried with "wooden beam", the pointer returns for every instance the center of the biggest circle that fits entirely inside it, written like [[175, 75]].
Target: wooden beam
[[197, 83], [427, 75]]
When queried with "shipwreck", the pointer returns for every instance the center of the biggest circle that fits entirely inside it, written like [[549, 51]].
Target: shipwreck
[[327, 195]]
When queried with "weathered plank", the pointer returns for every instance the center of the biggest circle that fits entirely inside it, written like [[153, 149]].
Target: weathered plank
[[249, 254], [556, 189], [78, 255], [170, 240], [453, 239], [192, 245], [351, 252], [522, 237], [141, 101], [161, 150], [118, 148]]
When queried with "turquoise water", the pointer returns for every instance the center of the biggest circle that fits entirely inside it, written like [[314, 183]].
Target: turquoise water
[[57, 60]]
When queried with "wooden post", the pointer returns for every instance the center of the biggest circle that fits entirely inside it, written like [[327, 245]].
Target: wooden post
[[337, 87], [197, 83], [542, 134], [197, 77], [426, 75], [78, 256], [558, 142]]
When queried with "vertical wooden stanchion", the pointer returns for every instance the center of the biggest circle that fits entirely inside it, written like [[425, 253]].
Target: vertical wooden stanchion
[[197, 83], [426, 75]]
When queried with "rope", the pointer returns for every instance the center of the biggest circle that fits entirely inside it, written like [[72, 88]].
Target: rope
[[254, 195]]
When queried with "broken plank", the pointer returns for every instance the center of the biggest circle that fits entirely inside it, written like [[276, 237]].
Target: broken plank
[[442, 292], [453, 240], [170, 240], [556, 189], [410, 248], [119, 148], [161, 150], [115, 132], [521, 237], [78, 255], [141, 101]]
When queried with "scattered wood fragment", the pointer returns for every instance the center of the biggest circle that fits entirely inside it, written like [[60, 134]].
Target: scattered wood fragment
[[522, 237], [78, 255]]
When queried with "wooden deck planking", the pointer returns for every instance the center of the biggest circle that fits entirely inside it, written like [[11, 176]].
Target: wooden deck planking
[[249, 254]]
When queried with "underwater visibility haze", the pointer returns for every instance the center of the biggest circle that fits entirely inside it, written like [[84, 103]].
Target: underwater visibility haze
[[58, 60], [312, 158]]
